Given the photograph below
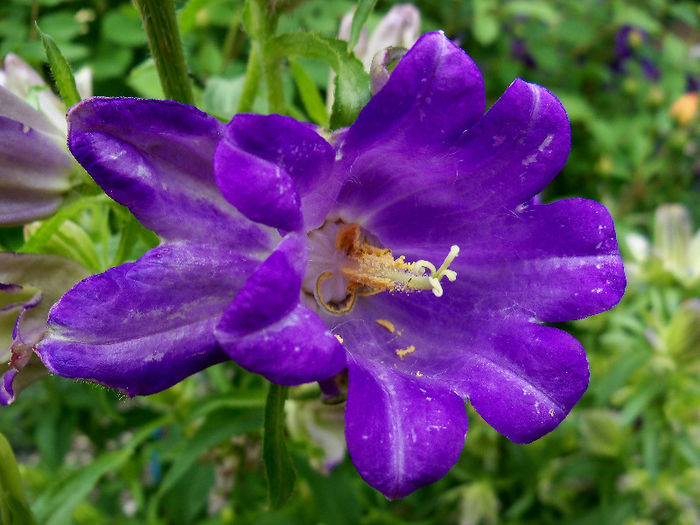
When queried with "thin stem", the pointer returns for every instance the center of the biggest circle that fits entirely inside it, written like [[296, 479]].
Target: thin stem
[[159, 21], [252, 79]]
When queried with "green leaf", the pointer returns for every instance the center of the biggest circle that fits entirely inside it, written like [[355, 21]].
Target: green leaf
[[215, 429], [485, 26], [56, 505], [62, 74], [278, 464], [13, 504], [359, 19], [313, 102], [351, 82], [49, 227]]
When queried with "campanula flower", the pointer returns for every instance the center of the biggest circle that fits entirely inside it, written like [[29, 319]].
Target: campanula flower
[[407, 252], [35, 167]]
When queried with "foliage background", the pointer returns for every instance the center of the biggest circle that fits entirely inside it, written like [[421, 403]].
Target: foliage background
[[630, 451]]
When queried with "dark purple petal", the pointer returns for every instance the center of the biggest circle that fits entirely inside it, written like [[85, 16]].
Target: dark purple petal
[[294, 350], [523, 378], [505, 159], [400, 143], [155, 157], [402, 433], [274, 147], [13, 381], [34, 173], [7, 392], [267, 331], [433, 95], [144, 326], [553, 262]]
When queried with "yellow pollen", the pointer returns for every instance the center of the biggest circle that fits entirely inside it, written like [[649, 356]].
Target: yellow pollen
[[551, 412], [403, 353], [418, 374], [340, 339], [386, 324], [370, 270], [376, 269]]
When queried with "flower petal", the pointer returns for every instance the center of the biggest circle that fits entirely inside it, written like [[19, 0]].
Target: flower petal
[[34, 173], [523, 378], [502, 161], [553, 262], [45, 277], [22, 80], [400, 141], [144, 326], [155, 157], [402, 433], [7, 392], [266, 330], [14, 107], [278, 150]]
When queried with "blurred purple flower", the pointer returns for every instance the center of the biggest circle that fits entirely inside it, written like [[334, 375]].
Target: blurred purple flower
[[308, 272], [35, 166], [629, 41]]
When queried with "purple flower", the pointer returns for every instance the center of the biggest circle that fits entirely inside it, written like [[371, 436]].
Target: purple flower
[[411, 240], [35, 168]]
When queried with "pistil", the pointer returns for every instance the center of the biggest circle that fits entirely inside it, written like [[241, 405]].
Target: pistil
[[369, 270]]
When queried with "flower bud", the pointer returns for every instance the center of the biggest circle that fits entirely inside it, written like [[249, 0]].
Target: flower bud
[[672, 233]]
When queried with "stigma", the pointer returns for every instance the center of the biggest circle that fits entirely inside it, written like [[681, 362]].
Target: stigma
[[368, 270]]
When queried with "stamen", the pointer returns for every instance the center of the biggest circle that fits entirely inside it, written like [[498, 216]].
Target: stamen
[[375, 270]]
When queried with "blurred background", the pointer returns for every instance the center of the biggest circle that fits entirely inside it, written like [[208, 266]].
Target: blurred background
[[628, 73]]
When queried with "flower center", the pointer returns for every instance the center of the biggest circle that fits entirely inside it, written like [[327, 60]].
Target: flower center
[[356, 267]]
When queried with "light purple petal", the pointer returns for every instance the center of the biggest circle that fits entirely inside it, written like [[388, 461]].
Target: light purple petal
[[155, 157], [144, 326], [44, 277], [278, 150], [402, 433], [25, 82], [267, 331], [34, 173], [14, 107]]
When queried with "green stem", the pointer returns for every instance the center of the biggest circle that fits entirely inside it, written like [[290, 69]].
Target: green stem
[[252, 79], [159, 21], [261, 24], [278, 464]]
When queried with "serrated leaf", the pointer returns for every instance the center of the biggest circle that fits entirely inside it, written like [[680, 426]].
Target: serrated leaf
[[359, 19], [310, 97], [278, 464], [60, 69]]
